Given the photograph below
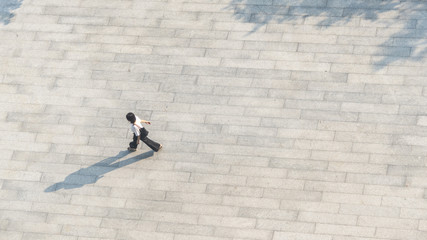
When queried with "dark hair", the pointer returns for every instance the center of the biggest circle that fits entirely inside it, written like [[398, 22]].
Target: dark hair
[[131, 117]]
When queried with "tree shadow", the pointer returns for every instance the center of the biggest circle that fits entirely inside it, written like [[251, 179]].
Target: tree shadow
[[405, 18], [6, 10], [96, 171]]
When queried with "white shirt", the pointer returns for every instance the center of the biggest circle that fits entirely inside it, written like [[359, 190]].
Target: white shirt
[[134, 128]]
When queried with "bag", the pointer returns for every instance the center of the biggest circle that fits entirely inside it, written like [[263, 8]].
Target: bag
[[143, 132]]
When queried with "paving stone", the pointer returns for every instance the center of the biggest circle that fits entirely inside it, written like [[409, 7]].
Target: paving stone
[[298, 164], [286, 226], [374, 179], [348, 230], [292, 194], [185, 229], [369, 210], [94, 232], [191, 237], [207, 209], [148, 235], [399, 233], [327, 218], [325, 48], [242, 233], [387, 222], [11, 235], [322, 145], [73, 220], [310, 206], [316, 175], [351, 199], [294, 236], [13, 205], [251, 202]]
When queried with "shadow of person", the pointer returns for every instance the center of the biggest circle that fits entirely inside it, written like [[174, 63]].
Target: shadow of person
[[6, 9], [96, 171]]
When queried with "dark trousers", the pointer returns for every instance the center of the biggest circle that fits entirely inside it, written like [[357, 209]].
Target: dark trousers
[[150, 143]]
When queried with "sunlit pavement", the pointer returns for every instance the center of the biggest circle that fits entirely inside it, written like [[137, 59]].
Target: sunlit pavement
[[280, 119]]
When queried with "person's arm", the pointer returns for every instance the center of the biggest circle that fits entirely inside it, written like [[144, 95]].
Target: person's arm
[[137, 141], [144, 121]]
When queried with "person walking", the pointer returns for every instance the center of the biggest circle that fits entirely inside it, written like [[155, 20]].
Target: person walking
[[140, 134]]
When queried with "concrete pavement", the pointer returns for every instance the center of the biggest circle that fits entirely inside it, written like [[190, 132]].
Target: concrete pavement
[[280, 119]]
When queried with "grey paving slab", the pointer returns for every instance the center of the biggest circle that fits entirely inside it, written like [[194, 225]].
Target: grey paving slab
[[280, 119]]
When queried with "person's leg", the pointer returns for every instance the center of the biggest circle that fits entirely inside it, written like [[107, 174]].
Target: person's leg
[[134, 144], [152, 144]]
